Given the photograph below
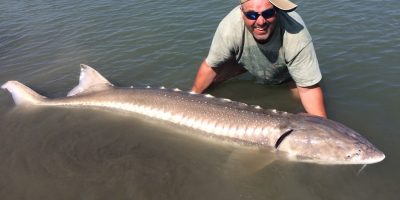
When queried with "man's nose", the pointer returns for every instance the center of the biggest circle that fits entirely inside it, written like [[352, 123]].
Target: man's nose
[[260, 20]]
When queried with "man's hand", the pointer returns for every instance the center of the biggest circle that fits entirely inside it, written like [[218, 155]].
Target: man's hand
[[204, 78], [313, 100]]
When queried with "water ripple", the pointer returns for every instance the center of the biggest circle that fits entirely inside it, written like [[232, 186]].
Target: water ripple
[[42, 44]]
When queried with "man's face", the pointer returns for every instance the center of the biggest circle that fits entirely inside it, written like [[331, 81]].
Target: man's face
[[261, 27]]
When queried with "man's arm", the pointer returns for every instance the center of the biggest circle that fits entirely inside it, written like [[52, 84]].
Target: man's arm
[[313, 100], [205, 76], [208, 75]]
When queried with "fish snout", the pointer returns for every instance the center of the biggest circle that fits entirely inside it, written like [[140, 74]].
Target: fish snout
[[369, 155], [374, 157]]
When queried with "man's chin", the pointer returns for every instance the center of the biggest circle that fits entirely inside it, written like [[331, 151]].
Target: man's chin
[[261, 38]]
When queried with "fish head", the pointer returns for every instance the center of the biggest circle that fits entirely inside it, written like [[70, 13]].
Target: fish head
[[323, 141]]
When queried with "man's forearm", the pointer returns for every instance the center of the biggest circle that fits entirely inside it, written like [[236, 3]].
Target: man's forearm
[[313, 100], [204, 78]]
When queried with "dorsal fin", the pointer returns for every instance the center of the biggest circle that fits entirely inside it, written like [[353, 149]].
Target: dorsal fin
[[90, 81]]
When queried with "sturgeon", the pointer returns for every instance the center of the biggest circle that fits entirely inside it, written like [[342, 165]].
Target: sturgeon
[[302, 137]]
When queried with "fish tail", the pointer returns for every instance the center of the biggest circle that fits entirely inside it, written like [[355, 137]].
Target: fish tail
[[22, 94]]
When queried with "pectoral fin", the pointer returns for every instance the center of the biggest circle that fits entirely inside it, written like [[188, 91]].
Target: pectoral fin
[[245, 162]]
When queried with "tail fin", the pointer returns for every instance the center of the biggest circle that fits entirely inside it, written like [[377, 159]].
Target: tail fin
[[22, 94]]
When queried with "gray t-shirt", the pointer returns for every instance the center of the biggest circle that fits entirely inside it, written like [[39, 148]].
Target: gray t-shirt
[[289, 53]]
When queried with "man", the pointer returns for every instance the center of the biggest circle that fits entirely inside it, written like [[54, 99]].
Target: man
[[268, 39]]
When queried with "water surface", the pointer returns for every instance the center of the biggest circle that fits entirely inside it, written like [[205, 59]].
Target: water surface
[[57, 153]]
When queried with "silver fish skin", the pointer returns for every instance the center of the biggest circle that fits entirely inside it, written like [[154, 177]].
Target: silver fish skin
[[302, 137]]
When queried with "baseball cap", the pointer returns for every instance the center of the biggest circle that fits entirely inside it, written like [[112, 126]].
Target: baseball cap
[[281, 4]]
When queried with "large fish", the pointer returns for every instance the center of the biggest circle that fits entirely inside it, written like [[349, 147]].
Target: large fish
[[301, 137]]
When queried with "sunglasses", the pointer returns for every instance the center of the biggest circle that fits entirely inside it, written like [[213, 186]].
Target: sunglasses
[[253, 15]]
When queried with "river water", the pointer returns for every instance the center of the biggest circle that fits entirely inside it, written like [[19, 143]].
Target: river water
[[58, 153]]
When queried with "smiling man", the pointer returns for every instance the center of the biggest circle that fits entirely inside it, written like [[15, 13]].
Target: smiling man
[[270, 40]]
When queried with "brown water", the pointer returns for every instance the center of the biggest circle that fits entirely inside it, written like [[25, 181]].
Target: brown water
[[57, 153]]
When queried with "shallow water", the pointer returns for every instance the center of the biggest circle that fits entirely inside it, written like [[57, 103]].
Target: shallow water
[[57, 153]]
